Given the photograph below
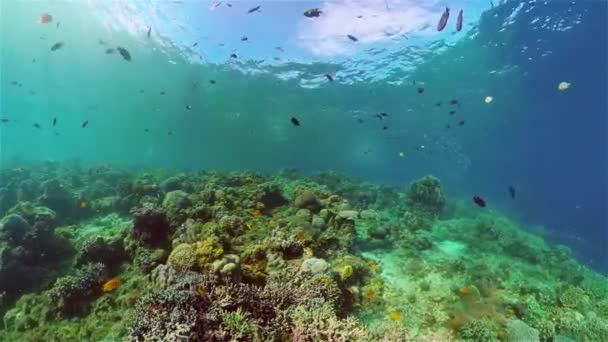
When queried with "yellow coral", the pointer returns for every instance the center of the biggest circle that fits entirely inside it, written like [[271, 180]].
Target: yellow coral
[[197, 256]]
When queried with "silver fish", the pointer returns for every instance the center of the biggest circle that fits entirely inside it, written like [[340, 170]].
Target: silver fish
[[444, 20]]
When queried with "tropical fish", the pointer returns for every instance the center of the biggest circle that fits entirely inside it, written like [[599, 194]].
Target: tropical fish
[[124, 53], [329, 77], [58, 23], [313, 13], [563, 86], [380, 116], [45, 18], [255, 212], [233, 55], [4, 120], [444, 20], [295, 121], [188, 107], [459, 22], [454, 102], [37, 125], [85, 123], [212, 81], [57, 46], [195, 44], [479, 201], [278, 48], [254, 9], [84, 204], [512, 191], [244, 38], [452, 112], [109, 51], [351, 37], [110, 285], [420, 90], [149, 31], [54, 121], [461, 123], [395, 316]]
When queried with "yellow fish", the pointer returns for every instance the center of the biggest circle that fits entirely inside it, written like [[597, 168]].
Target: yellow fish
[[84, 204], [249, 226], [395, 316]]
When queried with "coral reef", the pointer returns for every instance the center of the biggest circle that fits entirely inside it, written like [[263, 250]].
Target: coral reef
[[98, 254]]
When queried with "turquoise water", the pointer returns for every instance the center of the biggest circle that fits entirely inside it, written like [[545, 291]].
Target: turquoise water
[[515, 100]]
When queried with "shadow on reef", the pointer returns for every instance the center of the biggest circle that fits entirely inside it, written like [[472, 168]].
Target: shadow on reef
[[100, 254]]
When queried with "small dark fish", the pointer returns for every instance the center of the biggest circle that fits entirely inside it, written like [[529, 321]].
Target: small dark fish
[[479, 201], [359, 120], [149, 31], [459, 22], [454, 102], [162, 92], [212, 81], [329, 77], [313, 13], [4, 120], [14, 83], [444, 20], [229, 5], [141, 91], [33, 60], [447, 126], [512, 191], [254, 9], [54, 122], [85, 123], [109, 51], [101, 42], [295, 121], [57, 46], [170, 133], [37, 125], [278, 48], [420, 90], [359, 16], [195, 44], [188, 107], [58, 23], [146, 130], [124, 53], [380, 116], [452, 112], [461, 123], [438, 104], [244, 38], [233, 55], [351, 37], [384, 128]]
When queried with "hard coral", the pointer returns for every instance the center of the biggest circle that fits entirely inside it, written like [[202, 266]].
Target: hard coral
[[72, 294], [425, 194], [150, 225]]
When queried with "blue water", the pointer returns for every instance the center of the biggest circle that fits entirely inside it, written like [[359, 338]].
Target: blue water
[[551, 145]]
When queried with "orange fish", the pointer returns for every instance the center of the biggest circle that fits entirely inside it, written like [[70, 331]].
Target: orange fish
[[110, 285], [396, 316], [463, 291], [45, 18], [255, 212]]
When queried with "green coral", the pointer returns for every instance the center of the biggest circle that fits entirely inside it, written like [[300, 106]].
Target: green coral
[[478, 330], [195, 256], [425, 194], [240, 325], [573, 297]]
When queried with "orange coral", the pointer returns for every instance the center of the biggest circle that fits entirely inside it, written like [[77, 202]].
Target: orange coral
[[110, 285]]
